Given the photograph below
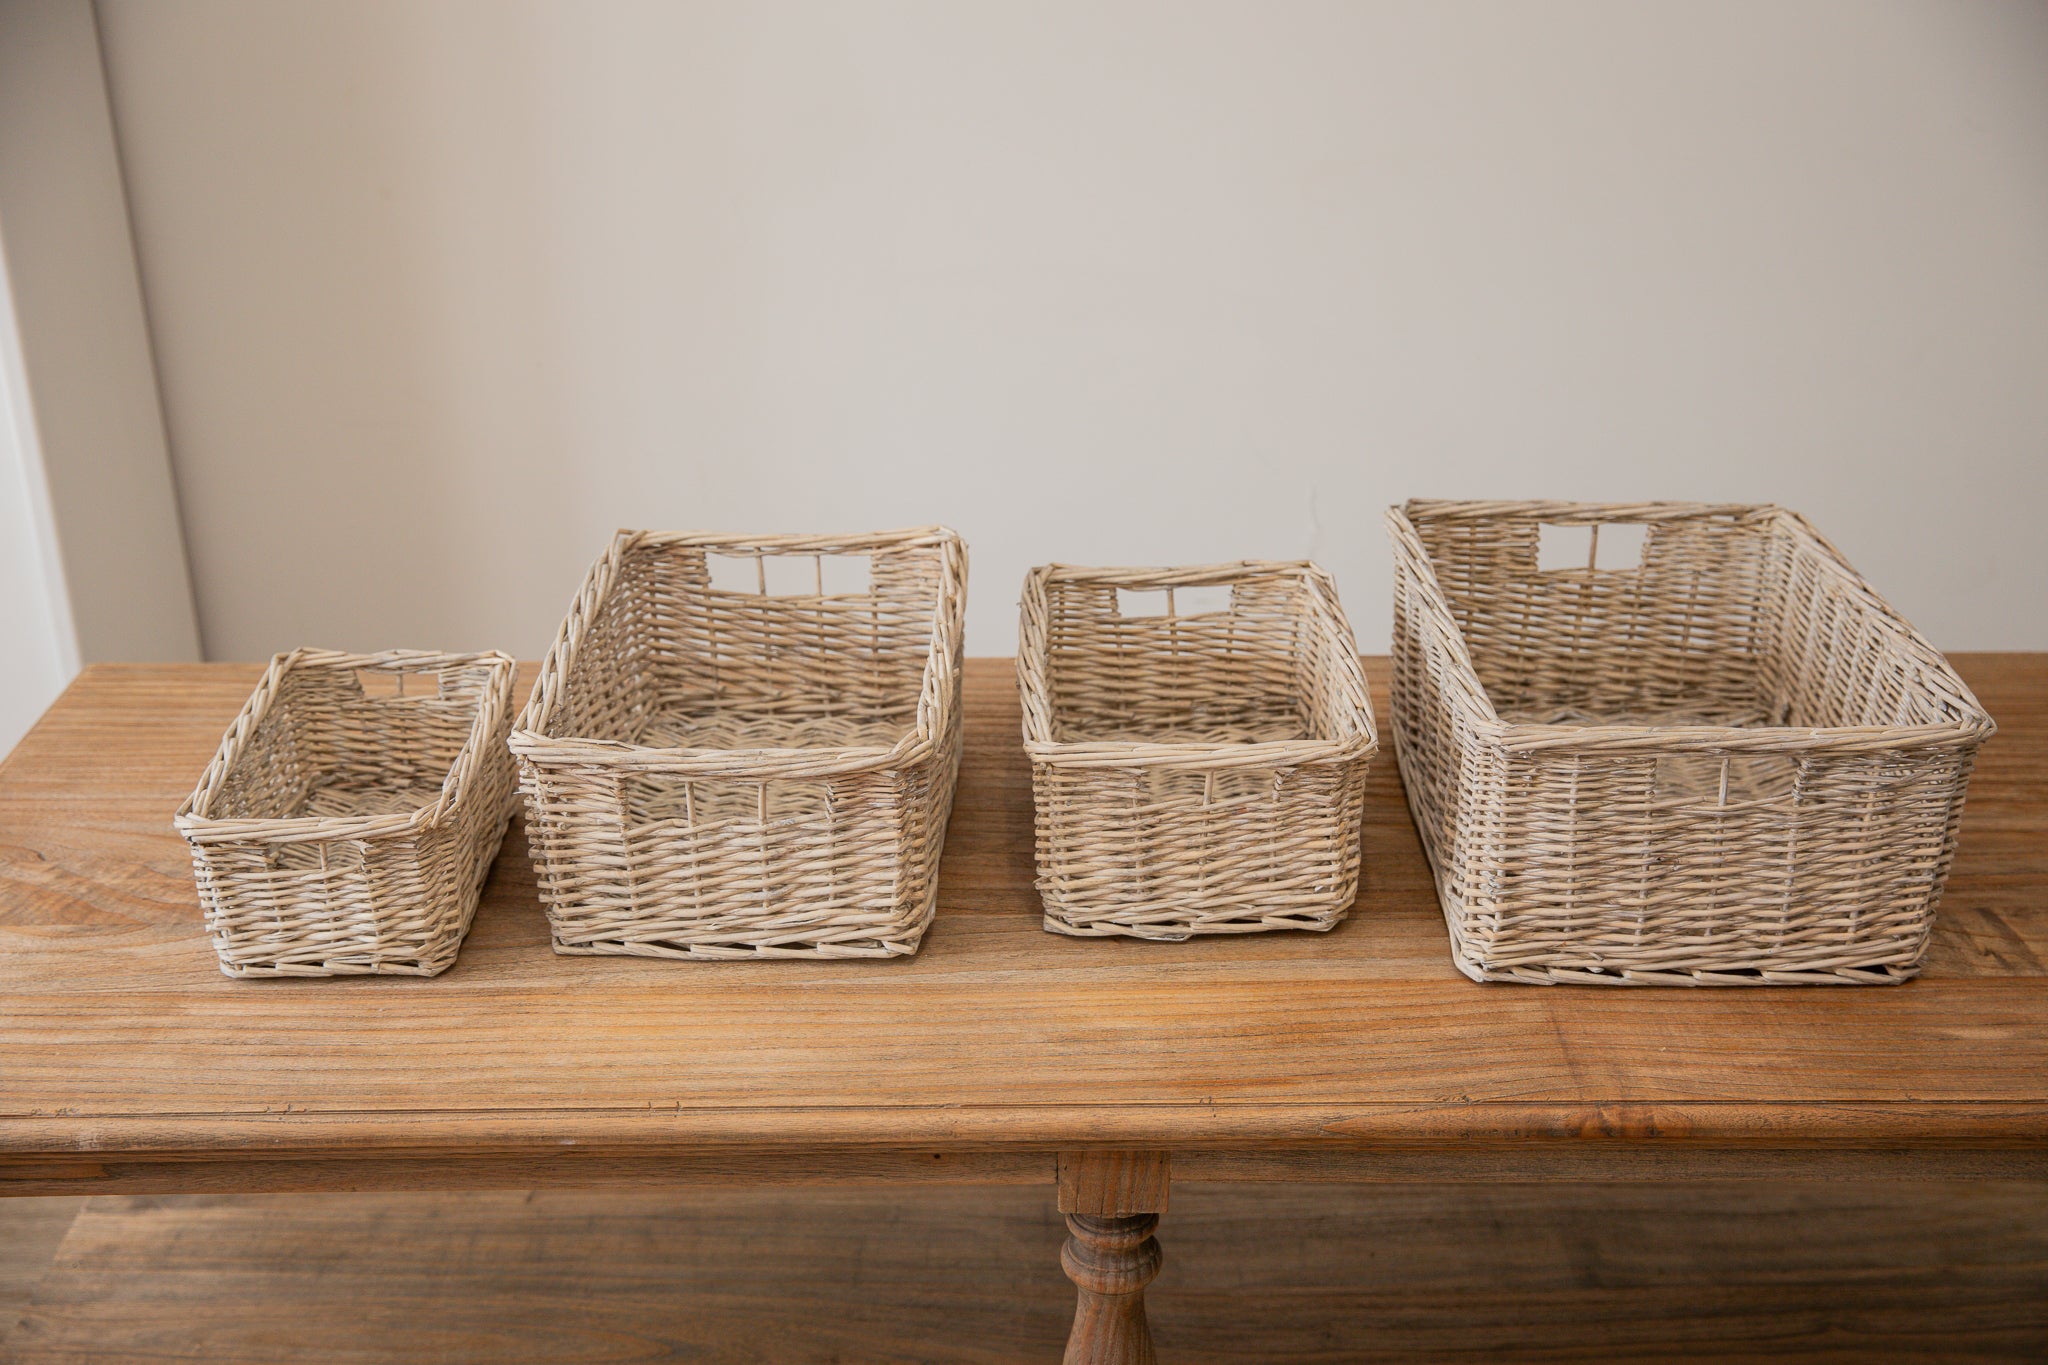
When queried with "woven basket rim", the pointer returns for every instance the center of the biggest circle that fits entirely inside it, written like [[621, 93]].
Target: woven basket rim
[[1568, 513], [1970, 728], [192, 821], [764, 543], [1034, 665], [1219, 756], [709, 763], [529, 741], [1177, 576]]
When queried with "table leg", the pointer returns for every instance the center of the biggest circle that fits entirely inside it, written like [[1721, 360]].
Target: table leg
[[1112, 1201]]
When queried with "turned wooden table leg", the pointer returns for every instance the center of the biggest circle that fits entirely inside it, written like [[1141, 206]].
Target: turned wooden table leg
[[1111, 1260], [1112, 1201]]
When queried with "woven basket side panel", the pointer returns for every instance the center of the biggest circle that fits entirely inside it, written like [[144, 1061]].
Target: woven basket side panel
[[343, 903], [1438, 751], [294, 905], [466, 845], [1698, 862], [924, 835], [1454, 779], [323, 731], [906, 591], [1325, 662], [1225, 675], [649, 863], [278, 766], [406, 741], [1674, 636], [608, 693], [856, 654], [1166, 853], [1831, 658]]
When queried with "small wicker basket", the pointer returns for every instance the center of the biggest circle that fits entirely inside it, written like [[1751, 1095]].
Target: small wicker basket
[[1729, 763], [344, 830], [1194, 772], [721, 771]]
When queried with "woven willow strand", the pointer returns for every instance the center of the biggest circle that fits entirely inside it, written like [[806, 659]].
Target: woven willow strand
[[1731, 763], [342, 833], [1193, 773], [714, 773]]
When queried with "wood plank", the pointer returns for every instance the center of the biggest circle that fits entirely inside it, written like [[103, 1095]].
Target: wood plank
[[122, 1038], [761, 1048], [573, 1168], [662, 1168], [1114, 1184], [667, 1168], [30, 1232], [1308, 1274]]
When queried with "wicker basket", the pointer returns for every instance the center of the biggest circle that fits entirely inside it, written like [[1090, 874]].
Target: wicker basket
[[1194, 772], [718, 771], [344, 830], [1730, 763]]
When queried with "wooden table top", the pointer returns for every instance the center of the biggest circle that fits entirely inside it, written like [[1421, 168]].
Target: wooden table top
[[127, 1059]]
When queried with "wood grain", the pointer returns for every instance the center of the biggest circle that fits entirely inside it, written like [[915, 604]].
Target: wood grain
[[657, 1168], [1111, 1260], [30, 1232], [483, 1169], [1112, 1201], [121, 1039], [1559, 1273], [1114, 1184]]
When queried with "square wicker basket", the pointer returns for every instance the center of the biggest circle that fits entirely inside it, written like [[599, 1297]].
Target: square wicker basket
[[722, 771], [1729, 763], [1194, 772], [344, 830]]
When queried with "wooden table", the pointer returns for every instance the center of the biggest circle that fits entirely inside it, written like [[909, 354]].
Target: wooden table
[[1000, 1053]]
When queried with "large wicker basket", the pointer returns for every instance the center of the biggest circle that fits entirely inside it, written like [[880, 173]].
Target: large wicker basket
[[1195, 772], [1730, 763], [717, 770], [344, 829]]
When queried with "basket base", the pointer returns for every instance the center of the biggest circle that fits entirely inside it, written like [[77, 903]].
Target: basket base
[[273, 971], [1180, 933], [1580, 976], [741, 952], [879, 940]]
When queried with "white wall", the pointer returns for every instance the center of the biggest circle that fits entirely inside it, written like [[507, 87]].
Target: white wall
[[444, 292], [41, 650]]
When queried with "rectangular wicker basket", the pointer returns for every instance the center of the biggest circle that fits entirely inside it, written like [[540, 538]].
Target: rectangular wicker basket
[[342, 830], [1193, 772], [1730, 763], [728, 772]]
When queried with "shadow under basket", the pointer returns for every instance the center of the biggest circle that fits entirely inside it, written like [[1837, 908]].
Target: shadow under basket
[[347, 823], [746, 747], [1198, 742], [1670, 744]]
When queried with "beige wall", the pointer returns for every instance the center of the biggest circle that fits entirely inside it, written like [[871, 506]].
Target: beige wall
[[444, 292], [92, 562], [90, 390]]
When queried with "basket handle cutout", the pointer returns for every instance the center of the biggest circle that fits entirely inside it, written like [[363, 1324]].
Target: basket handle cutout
[[791, 575], [384, 684], [1606, 546], [1197, 599]]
